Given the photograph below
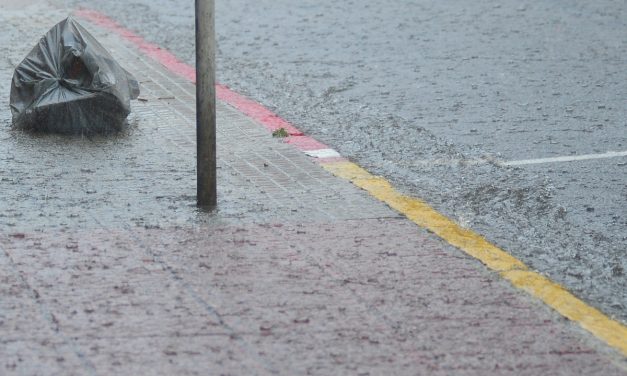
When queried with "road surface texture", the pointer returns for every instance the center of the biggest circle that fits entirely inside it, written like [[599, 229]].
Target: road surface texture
[[439, 97], [106, 266]]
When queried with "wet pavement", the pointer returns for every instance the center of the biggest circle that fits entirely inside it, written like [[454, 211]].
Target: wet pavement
[[145, 176], [107, 267], [434, 95]]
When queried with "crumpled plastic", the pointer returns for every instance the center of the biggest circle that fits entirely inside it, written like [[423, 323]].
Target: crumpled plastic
[[69, 83]]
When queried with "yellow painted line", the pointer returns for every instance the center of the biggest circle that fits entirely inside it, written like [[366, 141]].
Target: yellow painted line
[[610, 331]]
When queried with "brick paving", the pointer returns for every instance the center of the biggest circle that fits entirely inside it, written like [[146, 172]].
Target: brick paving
[[106, 266]]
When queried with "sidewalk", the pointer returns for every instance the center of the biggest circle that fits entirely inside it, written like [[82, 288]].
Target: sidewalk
[[106, 266]]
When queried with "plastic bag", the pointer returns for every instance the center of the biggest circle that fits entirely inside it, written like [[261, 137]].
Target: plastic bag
[[69, 83]]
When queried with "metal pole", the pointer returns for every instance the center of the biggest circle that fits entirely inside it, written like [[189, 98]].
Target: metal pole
[[206, 194]]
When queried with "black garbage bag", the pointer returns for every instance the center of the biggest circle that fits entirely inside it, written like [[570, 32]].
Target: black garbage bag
[[69, 83]]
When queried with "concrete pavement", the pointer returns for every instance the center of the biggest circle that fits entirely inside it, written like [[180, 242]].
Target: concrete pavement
[[440, 98], [108, 268]]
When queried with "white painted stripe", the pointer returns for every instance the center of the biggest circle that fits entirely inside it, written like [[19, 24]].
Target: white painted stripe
[[323, 153], [481, 161], [569, 158]]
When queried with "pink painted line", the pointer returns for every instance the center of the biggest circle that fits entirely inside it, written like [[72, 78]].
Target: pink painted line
[[305, 143], [155, 52], [250, 108], [255, 110]]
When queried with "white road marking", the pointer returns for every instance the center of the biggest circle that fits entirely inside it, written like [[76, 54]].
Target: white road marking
[[522, 162], [323, 153], [569, 158]]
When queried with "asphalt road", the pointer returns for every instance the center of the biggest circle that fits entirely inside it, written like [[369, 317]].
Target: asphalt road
[[446, 99]]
